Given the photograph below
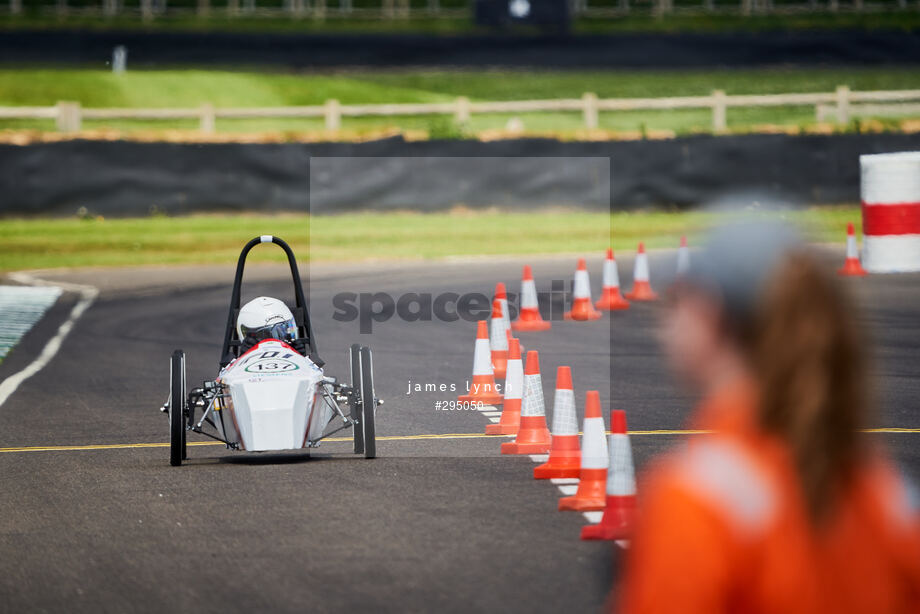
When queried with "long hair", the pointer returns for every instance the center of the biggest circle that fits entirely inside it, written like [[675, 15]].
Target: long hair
[[805, 346]]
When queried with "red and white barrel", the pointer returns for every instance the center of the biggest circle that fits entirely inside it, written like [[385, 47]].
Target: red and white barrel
[[891, 212]]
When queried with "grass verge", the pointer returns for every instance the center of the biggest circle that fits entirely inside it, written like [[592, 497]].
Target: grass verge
[[191, 88], [202, 239]]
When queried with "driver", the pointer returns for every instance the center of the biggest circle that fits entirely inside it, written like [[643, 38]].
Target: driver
[[265, 318]]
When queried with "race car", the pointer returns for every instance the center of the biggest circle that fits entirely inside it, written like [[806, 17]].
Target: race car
[[270, 392]]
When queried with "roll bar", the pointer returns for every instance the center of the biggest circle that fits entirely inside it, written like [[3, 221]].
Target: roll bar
[[231, 347]]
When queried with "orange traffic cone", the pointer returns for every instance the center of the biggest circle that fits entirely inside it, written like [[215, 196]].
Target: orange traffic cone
[[514, 389], [565, 454], [529, 318], [621, 485], [502, 297], [642, 289], [592, 484], [851, 267], [611, 299], [683, 257], [533, 436], [498, 340], [582, 309], [510, 337], [483, 389]]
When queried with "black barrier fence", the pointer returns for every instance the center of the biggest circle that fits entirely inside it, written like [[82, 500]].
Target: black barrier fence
[[628, 50], [130, 179]]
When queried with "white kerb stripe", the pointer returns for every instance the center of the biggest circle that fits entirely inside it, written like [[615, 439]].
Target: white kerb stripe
[[621, 476], [565, 422], [497, 337], [641, 270], [514, 380], [890, 178], [528, 294], [88, 294], [532, 404], [594, 445], [482, 358], [611, 275], [582, 285]]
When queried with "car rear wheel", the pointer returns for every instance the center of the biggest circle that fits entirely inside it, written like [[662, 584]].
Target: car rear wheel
[[177, 406], [368, 404], [354, 355]]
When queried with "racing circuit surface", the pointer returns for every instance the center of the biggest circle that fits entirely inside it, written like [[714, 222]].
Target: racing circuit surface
[[435, 523]]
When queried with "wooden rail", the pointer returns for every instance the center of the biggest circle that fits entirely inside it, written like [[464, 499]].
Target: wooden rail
[[69, 116]]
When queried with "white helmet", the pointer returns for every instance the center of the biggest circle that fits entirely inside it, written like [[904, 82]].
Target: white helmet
[[266, 318]]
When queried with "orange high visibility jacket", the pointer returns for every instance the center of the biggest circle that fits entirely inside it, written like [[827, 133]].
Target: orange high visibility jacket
[[723, 528]]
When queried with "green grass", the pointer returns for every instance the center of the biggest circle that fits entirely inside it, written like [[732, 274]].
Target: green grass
[[191, 88], [199, 239], [419, 23]]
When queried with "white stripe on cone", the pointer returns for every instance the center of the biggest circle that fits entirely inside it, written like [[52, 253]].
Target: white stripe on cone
[[506, 316], [621, 476], [532, 404], [611, 275], [594, 445], [582, 285], [683, 260], [514, 379], [528, 294], [498, 338], [641, 268], [852, 249], [565, 422], [482, 358]]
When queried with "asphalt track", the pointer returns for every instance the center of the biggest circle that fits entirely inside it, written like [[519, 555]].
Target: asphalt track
[[92, 521]]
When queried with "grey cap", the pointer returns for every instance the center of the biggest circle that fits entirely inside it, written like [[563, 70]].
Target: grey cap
[[737, 260]]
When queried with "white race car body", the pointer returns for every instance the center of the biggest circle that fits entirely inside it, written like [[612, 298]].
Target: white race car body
[[274, 399]]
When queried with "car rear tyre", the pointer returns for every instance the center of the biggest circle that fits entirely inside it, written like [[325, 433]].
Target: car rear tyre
[[177, 402], [354, 355], [368, 404]]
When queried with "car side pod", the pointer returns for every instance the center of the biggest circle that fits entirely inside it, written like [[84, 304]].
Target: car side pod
[[482, 389], [565, 455], [620, 509], [592, 485], [533, 437]]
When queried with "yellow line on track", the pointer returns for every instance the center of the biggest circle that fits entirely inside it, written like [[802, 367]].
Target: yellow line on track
[[129, 446]]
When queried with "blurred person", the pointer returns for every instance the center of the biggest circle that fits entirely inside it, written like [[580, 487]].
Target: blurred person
[[784, 506]]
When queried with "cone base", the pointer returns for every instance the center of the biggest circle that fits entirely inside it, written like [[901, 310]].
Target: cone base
[[582, 316], [513, 447], [852, 268], [549, 471], [604, 532], [531, 325], [582, 504], [485, 399], [500, 363], [502, 429], [642, 291], [617, 303]]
